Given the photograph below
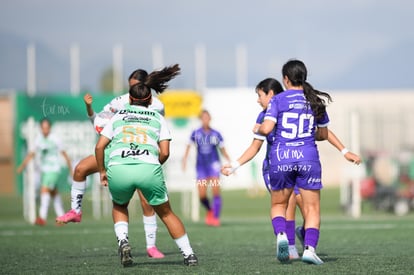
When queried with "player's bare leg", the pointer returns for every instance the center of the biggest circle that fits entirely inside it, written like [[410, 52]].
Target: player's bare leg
[[177, 232], [150, 227], [84, 168]]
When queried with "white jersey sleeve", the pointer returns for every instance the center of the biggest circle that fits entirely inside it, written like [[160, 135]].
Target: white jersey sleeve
[[165, 133], [116, 104], [157, 105]]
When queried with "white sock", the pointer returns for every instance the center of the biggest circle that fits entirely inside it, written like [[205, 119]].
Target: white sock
[[76, 195], [44, 205], [58, 205], [150, 228], [121, 231], [183, 244]]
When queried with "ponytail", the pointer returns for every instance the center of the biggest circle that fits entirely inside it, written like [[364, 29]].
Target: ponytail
[[140, 93]]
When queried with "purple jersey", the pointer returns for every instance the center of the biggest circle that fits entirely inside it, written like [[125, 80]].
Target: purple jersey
[[293, 138], [293, 155], [208, 160]]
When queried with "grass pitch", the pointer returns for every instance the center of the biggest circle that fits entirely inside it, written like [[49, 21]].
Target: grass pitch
[[377, 243]]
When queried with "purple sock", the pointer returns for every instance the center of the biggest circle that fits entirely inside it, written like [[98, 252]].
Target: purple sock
[[290, 232], [279, 224], [311, 237], [217, 206], [205, 202]]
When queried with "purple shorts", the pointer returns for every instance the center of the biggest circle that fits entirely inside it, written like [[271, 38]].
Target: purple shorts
[[306, 175], [209, 170]]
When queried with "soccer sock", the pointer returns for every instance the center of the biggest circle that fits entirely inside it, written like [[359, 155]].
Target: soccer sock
[[121, 231], [183, 244], [150, 228], [217, 206], [279, 224], [290, 232], [206, 203], [58, 205], [76, 195], [311, 237], [44, 205]]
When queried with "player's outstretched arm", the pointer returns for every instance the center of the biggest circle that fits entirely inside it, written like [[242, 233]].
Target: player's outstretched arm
[[251, 152], [99, 154], [88, 99], [350, 156], [68, 162], [26, 160], [184, 160]]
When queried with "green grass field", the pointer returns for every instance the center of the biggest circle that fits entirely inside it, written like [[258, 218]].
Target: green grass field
[[377, 243]]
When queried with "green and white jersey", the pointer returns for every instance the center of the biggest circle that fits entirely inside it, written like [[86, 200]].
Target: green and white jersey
[[48, 150], [134, 133]]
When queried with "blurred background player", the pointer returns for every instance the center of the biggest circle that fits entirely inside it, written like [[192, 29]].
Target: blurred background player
[[208, 142], [88, 166], [48, 148], [137, 141]]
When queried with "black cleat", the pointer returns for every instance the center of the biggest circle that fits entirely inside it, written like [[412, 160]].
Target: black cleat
[[191, 260], [124, 251]]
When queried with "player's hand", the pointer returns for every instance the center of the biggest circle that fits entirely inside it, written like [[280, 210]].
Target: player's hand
[[104, 178], [353, 158], [230, 168], [88, 99], [19, 169], [226, 169]]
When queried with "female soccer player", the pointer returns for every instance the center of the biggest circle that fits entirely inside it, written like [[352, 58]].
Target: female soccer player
[[49, 147], [137, 141], [292, 122], [88, 166], [265, 90], [208, 141]]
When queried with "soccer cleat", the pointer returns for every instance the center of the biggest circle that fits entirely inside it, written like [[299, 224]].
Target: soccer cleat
[[309, 256], [40, 221], [215, 222], [299, 233], [293, 252], [153, 252], [70, 216], [209, 218], [124, 251], [191, 260], [282, 247]]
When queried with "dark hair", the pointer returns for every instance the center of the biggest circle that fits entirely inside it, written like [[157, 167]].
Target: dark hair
[[270, 84], [140, 93], [45, 119], [295, 71], [139, 75]]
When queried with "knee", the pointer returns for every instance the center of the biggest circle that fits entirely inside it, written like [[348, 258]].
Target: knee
[[79, 173]]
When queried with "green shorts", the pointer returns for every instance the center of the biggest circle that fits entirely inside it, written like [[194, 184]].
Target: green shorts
[[50, 179], [123, 180]]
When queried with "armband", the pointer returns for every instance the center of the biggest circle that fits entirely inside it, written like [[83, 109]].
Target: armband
[[234, 165], [344, 151]]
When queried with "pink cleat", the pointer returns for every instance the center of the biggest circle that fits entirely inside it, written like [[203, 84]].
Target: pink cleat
[[153, 252], [211, 220], [70, 216]]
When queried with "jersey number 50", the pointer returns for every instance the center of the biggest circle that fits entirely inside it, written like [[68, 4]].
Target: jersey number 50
[[301, 129]]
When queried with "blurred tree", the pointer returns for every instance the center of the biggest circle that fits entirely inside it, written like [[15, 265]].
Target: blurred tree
[[107, 82]]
